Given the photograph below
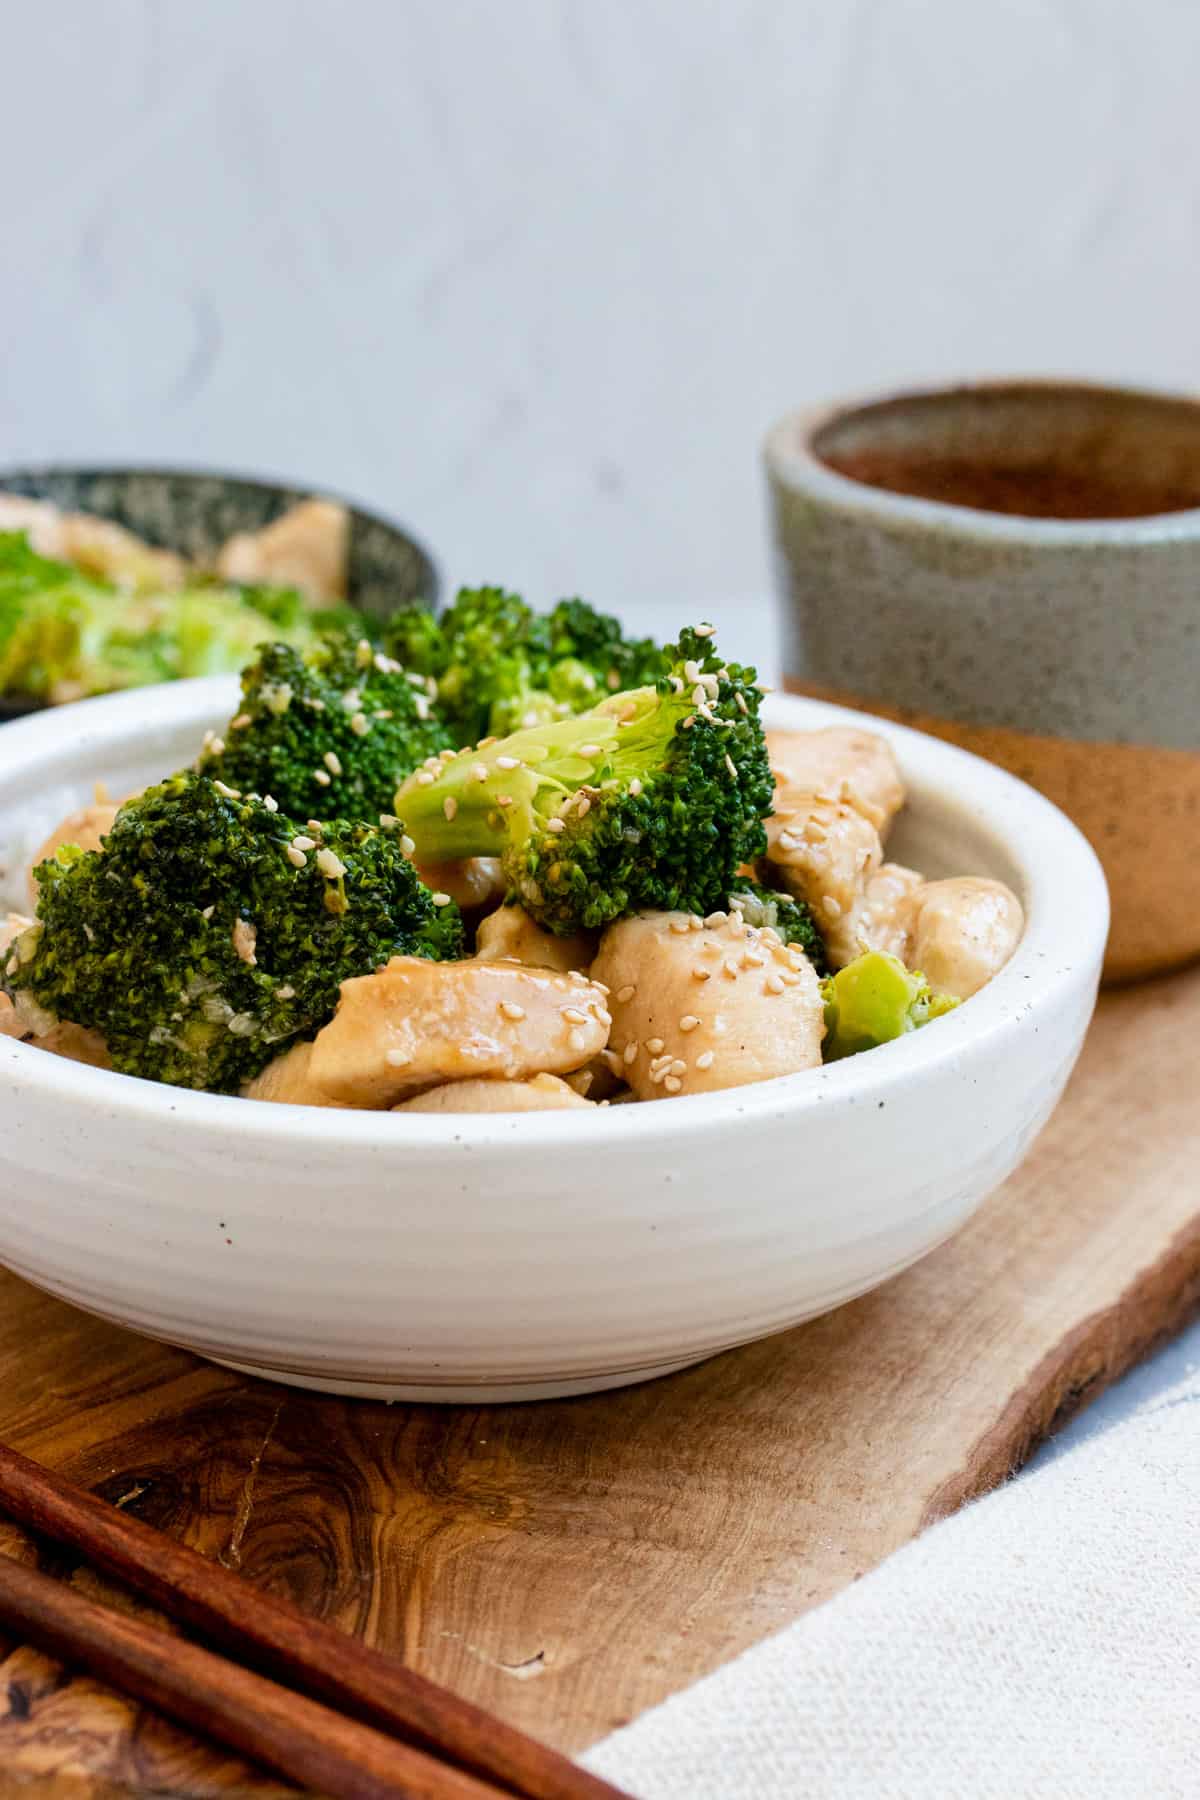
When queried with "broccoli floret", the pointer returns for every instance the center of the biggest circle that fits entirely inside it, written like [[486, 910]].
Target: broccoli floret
[[651, 800], [65, 634], [873, 1000], [210, 931], [791, 918], [328, 732], [501, 667]]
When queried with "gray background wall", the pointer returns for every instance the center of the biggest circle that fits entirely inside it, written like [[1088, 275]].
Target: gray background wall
[[535, 276]]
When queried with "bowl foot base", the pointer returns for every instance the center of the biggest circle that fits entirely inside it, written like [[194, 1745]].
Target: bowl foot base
[[452, 1393]]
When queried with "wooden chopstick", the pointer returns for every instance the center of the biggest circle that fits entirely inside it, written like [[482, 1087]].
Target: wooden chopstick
[[276, 1639], [285, 1731]]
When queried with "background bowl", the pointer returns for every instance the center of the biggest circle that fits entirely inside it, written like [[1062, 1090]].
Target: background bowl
[[1065, 648], [194, 511], [497, 1258]]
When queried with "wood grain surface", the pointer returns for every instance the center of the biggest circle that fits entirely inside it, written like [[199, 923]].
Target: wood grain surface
[[568, 1564]]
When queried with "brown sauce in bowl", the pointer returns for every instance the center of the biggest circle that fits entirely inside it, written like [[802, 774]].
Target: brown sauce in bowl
[[1047, 489]]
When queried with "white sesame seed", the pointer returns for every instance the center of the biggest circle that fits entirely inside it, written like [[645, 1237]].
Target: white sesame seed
[[705, 630], [330, 865], [296, 857], [447, 756], [691, 670], [705, 1060], [689, 721], [699, 974], [740, 701], [229, 793], [715, 918], [583, 807], [511, 1010], [479, 771], [675, 684], [699, 696], [423, 778], [208, 912], [303, 843], [241, 722], [508, 762], [752, 959], [590, 750], [577, 1040], [654, 1046], [484, 742], [635, 787], [626, 993], [574, 1015], [407, 845], [503, 799], [440, 899], [320, 777], [657, 1075], [831, 907], [688, 1022], [695, 922], [315, 826], [449, 806], [680, 926], [773, 984], [730, 969], [285, 993], [359, 725], [556, 825], [271, 804], [630, 1052], [396, 1059], [731, 765]]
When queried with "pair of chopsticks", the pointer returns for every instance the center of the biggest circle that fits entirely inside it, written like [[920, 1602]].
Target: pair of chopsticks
[[303, 1698]]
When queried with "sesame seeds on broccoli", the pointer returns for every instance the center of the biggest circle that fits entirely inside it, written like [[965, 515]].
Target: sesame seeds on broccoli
[[331, 731], [653, 799], [211, 930]]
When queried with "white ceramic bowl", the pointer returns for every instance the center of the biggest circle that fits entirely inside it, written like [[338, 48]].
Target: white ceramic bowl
[[515, 1257]]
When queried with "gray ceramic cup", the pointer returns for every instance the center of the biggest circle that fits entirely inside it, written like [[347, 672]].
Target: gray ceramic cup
[[1015, 566]]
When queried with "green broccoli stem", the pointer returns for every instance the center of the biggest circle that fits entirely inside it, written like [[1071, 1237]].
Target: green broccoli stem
[[472, 804]]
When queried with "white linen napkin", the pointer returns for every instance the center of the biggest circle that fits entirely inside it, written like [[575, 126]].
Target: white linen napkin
[[1043, 1642]]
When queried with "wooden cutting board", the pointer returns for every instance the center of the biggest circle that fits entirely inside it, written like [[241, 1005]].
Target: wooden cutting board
[[570, 1563]]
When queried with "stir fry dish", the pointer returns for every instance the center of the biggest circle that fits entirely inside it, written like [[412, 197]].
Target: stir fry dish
[[511, 862]]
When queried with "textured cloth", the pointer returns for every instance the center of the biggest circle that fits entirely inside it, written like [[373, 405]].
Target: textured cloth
[[1043, 1642]]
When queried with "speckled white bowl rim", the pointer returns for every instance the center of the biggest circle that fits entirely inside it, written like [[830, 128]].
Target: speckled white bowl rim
[[789, 454]]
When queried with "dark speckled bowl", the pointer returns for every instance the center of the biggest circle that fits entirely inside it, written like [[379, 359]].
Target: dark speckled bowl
[[194, 511]]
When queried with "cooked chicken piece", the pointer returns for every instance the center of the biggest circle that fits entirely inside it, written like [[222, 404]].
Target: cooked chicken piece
[[704, 1004], [84, 828], [78, 1043], [415, 1024], [963, 932], [510, 935], [545, 1093], [287, 1081], [308, 548], [91, 543], [114, 554], [826, 853], [840, 763], [882, 918], [11, 926], [474, 883]]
